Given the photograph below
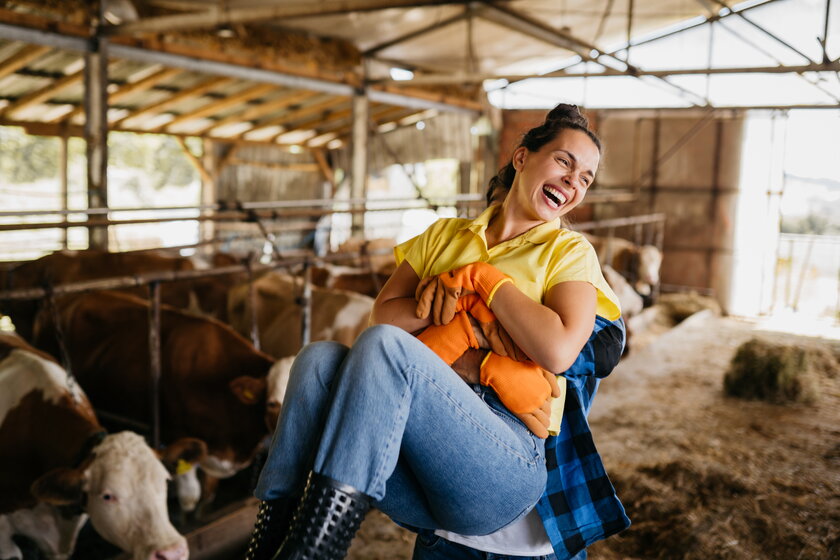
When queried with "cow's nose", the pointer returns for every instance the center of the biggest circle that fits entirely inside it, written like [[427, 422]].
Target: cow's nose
[[176, 552]]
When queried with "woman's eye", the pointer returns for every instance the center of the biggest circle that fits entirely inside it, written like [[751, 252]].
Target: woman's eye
[[563, 161]]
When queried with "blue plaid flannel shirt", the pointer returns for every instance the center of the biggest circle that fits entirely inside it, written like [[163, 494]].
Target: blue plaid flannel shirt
[[579, 505]]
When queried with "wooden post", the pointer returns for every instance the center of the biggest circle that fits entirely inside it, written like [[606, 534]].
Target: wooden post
[[96, 130], [65, 193], [358, 186], [154, 361]]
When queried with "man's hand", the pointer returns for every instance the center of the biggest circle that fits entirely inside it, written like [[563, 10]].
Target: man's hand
[[468, 366]]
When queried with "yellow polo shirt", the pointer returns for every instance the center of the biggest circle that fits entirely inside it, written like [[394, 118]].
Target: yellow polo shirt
[[537, 260]]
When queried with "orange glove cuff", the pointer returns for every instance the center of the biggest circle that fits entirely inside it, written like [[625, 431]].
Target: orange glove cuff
[[521, 386], [451, 340], [479, 277]]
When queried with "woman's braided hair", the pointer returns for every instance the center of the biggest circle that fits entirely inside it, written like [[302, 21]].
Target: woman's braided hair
[[562, 117]]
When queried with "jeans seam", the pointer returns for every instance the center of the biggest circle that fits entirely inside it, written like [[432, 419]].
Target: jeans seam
[[528, 461], [384, 452]]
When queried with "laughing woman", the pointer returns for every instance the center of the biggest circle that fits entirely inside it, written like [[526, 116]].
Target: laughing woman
[[389, 424]]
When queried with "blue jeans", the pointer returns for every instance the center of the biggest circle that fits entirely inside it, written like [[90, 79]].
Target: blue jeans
[[391, 419], [433, 547]]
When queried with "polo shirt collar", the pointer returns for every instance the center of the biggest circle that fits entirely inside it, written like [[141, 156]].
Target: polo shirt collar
[[536, 235]]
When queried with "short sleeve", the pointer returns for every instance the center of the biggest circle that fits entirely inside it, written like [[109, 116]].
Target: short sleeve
[[578, 261], [416, 250]]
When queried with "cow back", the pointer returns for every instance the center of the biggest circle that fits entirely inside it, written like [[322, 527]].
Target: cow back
[[107, 337]]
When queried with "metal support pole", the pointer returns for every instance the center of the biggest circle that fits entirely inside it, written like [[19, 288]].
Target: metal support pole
[[65, 192], [154, 361], [306, 304], [252, 300], [96, 131], [358, 186]]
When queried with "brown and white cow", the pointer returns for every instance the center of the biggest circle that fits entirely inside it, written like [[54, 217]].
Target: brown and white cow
[[639, 264], [336, 314], [58, 467], [207, 295], [212, 384]]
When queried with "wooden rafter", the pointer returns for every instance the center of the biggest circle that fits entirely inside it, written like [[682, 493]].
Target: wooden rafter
[[194, 160], [21, 58], [142, 84], [302, 112], [286, 10], [194, 91], [44, 94], [260, 110], [313, 120], [220, 105], [337, 120]]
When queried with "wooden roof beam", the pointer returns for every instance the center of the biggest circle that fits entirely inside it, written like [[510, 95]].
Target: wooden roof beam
[[195, 91], [43, 94], [264, 108], [124, 91], [21, 58], [233, 15], [215, 106], [302, 112]]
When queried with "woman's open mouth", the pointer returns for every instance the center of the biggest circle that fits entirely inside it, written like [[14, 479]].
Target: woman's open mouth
[[554, 196]]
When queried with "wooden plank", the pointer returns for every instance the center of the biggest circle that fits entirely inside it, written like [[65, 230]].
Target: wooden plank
[[308, 167], [44, 94], [197, 90], [303, 112], [193, 159], [220, 105], [142, 84], [227, 535], [261, 109], [21, 58]]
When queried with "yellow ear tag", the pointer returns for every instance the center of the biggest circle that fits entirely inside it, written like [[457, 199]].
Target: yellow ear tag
[[183, 467], [248, 394]]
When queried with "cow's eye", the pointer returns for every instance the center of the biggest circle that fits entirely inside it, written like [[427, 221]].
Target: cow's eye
[[109, 497]]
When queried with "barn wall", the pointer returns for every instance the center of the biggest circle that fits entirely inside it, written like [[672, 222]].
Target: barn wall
[[684, 165]]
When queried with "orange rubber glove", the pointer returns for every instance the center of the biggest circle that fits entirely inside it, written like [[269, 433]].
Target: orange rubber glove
[[524, 388], [500, 341], [451, 340], [437, 295]]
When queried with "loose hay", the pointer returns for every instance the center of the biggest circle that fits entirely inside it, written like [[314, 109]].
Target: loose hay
[[681, 306], [777, 373]]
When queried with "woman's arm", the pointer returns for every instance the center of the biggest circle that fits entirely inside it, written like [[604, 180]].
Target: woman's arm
[[553, 334], [395, 304]]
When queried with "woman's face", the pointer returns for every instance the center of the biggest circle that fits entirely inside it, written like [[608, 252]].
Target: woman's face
[[552, 181]]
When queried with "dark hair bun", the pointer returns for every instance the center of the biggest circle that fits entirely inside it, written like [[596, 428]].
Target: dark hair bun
[[567, 112]]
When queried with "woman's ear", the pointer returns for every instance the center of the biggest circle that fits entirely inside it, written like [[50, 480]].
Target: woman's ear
[[518, 159]]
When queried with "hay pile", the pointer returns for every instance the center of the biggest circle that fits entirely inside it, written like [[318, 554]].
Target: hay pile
[[680, 306], [778, 373]]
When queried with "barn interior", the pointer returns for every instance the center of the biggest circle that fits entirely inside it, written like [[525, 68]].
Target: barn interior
[[221, 144]]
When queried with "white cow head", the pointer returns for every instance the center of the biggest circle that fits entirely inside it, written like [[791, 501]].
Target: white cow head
[[122, 487], [650, 261]]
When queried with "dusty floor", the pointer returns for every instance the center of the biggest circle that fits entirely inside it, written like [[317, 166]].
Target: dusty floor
[[702, 476]]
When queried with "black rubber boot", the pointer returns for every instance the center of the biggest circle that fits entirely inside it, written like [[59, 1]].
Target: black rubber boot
[[325, 522], [270, 528]]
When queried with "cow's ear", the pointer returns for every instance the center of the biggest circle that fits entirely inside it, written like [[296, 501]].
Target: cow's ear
[[59, 487], [180, 455], [249, 390]]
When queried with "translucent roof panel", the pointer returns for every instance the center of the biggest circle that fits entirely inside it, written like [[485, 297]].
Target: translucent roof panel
[[770, 34]]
